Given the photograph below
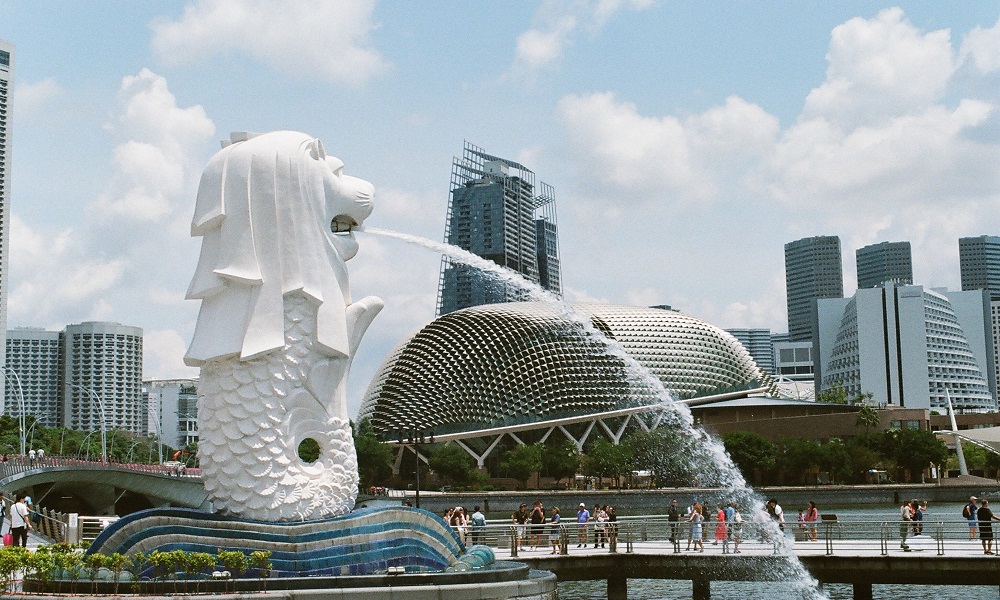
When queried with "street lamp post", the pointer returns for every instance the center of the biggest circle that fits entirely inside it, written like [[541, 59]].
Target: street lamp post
[[104, 419], [159, 437], [20, 403], [416, 439]]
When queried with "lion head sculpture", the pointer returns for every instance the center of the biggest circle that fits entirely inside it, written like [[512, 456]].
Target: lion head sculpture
[[275, 214]]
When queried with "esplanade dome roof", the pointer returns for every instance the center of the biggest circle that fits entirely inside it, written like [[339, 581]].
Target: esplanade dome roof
[[507, 364]]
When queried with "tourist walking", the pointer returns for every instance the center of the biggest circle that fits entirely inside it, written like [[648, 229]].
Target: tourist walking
[[674, 517], [737, 529], [969, 512], [720, 528], [918, 517], [477, 525], [696, 520], [20, 524], [582, 518], [554, 533], [687, 517], [986, 518], [778, 516], [905, 520], [811, 519]]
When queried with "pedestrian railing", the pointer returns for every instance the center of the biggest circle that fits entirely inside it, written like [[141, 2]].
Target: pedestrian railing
[[656, 534]]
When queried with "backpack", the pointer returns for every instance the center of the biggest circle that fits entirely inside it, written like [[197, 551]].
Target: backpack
[[967, 512]]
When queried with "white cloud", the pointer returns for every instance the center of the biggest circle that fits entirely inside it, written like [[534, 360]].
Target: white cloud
[[33, 99], [330, 40], [154, 163], [641, 159], [879, 68], [162, 353], [557, 22], [983, 46], [537, 48], [117, 260]]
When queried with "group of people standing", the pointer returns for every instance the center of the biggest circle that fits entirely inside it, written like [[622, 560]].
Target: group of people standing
[[728, 526], [469, 527], [980, 520], [605, 520], [531, 529]]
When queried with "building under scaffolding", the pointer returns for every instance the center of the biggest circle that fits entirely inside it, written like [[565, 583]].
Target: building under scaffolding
[[496, 211]]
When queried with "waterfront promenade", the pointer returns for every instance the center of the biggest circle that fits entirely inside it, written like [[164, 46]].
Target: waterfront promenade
[[859, 553]]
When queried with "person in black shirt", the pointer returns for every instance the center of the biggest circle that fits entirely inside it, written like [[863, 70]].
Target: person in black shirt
[[986, 518]]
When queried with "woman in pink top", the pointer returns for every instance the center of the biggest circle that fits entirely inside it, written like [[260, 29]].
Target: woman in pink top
[[811, 518]]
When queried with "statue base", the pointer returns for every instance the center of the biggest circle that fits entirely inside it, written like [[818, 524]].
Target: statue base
[[367, 541]]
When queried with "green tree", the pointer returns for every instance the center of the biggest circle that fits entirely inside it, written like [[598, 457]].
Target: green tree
[[835, 394], [663, 452], [867, 417], [521, 462], [916, 449], [560, 461], [753, 453], [374, 457], [604, 459], [835, 459], [799, 457], [453, 464]]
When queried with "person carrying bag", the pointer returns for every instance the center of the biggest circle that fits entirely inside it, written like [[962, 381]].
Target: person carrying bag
[[20, 523]]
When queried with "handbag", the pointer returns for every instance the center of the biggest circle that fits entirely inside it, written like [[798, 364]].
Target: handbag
[[8, 539]]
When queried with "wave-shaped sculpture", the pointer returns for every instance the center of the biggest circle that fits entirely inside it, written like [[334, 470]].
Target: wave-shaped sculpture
[[366, 541]]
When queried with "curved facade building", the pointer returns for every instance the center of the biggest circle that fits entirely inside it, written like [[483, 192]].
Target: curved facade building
[[508, 364], [909, 346]]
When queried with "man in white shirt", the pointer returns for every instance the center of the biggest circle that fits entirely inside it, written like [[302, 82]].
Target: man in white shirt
[[20, 523]]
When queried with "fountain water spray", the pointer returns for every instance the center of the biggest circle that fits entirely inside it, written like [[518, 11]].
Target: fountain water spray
[[719, 467]]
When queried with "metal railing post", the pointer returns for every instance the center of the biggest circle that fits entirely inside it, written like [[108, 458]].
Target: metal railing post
[[884, 539], [563, 540], [513, 542], [643, 534], [828, 532], [939, 537]]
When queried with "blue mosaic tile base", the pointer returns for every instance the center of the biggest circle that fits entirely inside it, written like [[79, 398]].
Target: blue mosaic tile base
[[364, 542]]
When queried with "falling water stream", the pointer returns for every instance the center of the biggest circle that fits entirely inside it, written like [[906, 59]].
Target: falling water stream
[[714, 466]]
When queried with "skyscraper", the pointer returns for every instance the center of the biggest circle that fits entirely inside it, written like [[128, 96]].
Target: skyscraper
[[6, 80], [34, 364], [496, 212], [813, 270], [979, 263], [102, 377], [882, 262]]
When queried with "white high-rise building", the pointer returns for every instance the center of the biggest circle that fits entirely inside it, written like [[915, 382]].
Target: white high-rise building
[[909, 346], [34, 365], [102, 377], [6, 85]]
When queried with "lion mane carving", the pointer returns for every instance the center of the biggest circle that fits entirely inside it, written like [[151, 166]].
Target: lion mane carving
[[277, 330]]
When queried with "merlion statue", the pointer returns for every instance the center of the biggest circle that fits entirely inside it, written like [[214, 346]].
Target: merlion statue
[[277, 330]]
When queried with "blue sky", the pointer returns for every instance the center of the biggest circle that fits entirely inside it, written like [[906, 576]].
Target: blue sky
[[686, 141]]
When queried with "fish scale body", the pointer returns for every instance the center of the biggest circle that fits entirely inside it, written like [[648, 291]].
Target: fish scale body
[[253, 415]]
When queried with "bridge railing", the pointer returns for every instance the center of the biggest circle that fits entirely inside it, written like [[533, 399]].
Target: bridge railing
[[656, 534], [17, 465]]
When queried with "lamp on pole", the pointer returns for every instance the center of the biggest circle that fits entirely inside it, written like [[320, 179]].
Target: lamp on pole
[[104, 419], [20, 402], [416, 439], [159, 436]]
